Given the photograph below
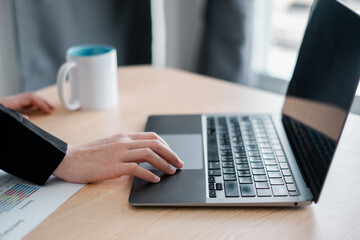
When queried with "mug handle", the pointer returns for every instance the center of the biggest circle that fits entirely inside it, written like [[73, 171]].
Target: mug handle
[[61, 79]]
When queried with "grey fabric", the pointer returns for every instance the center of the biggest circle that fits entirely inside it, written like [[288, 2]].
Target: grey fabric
[[226, 44], [46, 28]]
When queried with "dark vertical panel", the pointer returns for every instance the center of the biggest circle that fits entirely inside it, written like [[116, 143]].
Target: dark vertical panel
[[46, 28], [226, 45]]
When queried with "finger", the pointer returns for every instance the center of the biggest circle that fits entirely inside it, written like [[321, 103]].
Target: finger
[[126, 137], [147, 136], [41, 104], [147, 155], [140, 172], [115, 139], [159, 148]]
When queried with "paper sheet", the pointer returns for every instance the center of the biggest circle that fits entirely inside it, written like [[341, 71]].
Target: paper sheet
[[24, 205]]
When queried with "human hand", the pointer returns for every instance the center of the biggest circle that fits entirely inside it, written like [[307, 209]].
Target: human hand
[[116, 156], [26, 102]]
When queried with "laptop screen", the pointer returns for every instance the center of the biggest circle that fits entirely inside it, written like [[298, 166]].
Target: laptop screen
[[322, 88]]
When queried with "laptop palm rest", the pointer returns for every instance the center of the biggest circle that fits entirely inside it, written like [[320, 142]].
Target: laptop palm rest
[[185, 187]]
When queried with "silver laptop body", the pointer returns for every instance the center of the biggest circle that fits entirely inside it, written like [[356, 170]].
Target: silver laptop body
[[262, 159]]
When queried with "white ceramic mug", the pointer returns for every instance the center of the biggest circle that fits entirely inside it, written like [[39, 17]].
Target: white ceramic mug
[[92, 73]]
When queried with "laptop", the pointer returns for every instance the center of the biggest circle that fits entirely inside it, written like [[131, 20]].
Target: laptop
[[264, 159]]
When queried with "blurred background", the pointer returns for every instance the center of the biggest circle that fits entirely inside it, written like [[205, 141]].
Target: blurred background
[[251, 42]]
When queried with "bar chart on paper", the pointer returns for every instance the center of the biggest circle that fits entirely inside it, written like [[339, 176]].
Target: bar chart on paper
[[13, 192], [24, 205]]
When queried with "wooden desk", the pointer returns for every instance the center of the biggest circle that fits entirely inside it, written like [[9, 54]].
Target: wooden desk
[[102, 211]]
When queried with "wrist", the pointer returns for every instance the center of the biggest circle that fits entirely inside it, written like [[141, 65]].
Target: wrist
[[63, 170]]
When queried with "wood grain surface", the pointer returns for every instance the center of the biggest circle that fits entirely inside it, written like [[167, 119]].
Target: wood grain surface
[[101, 210]]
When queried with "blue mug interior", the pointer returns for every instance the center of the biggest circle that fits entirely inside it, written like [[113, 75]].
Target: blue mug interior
[[89, 50]]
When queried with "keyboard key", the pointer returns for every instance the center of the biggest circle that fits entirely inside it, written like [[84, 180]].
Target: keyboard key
[[241, 160], [291, 187], [263, 140], [276, 181], [239, 148], [268, 156], [228, 170], [274, 174], [289, 179], [272, 134], [265, 145], [257, 165], [250, 142], [212, 143], [226, 153], [267, 150], [270, 162], [252, 147], [238, 144], [231, 189], [214, 165], [255, 159], [211, 186], [219, 186], [260, 130], [258, 171], [264, 192], [247, 190], [227, 164], [211, 179], [260, 134], [277, 147], [239, 151], [260, 178], [227, 159], [249, 137], [279, 153], [293, 193], [213, 160], [214, 173], [272, 168], [225, 147], [284, 165], [229, 177], [262, 185], [213, 153], [212, 193], [279, 190], [253, 153], [242, 167], [281, 159], [212, 148], [240, 155], [245, 180], [224, 142], [286, 173], [244, 173]]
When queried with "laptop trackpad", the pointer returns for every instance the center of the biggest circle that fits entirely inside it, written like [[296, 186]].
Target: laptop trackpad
[[187, 146]]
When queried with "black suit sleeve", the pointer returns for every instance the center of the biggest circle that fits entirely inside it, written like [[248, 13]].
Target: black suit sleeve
[[27, 151]]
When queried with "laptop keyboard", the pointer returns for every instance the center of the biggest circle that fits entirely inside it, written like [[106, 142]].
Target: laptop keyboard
[[246, 159], [316, 147]]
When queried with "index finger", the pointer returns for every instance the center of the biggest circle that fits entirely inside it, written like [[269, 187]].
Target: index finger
[[159, 148], [42, 104], [147, 136]]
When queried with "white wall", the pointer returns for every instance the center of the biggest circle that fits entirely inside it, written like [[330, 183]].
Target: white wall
[[9, 75]]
